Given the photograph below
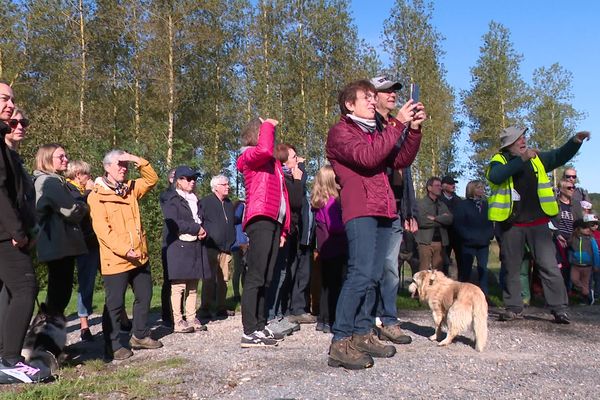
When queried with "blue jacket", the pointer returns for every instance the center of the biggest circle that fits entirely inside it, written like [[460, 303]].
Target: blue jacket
[[579, 254], [472, 224]]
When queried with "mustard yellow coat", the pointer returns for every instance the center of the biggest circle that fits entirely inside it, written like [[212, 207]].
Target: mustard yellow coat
[[117, 221]]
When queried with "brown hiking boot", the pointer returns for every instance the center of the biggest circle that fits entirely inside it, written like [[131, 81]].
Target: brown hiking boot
[[145, 343], [305, 318], [394, 334], [122, 353], [343, 353], [371, 345]]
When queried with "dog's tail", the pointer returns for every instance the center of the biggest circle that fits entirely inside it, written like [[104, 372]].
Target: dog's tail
[[480, 316]]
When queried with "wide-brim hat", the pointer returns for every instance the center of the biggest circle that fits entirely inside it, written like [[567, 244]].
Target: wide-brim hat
[[382, 83], [510, 135]]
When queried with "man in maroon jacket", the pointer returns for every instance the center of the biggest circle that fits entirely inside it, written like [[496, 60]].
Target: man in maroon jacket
[[360, 158]]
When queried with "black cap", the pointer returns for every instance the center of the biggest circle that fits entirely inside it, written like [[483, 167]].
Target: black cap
[[184, 170], [449, 180]]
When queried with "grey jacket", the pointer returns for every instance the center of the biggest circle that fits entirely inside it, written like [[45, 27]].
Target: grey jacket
[[59, 215], [443, 219]]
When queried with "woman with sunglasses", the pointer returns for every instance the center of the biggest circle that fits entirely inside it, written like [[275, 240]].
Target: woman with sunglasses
[[59, 213], [187, 259], [17, 234], [18, 124]]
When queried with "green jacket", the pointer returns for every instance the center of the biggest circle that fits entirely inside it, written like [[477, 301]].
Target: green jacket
[[443, 220]]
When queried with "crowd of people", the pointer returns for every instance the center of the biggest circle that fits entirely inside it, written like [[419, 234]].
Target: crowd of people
[[329, 255]]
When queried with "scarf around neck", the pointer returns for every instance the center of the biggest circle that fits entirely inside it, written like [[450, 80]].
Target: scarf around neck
[[367, 125], [119, 188]]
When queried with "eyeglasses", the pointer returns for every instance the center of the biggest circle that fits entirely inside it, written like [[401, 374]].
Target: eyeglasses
[[570, 187], [368, 97], [60, 157], [223, 184], [571, 176], [13, 123], [188, 178]]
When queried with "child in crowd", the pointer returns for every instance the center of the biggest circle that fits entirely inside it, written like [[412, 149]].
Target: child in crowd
[[583, 256], [592, 220], [332, 244]]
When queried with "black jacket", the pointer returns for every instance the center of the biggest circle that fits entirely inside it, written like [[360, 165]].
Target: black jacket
[[17, 215], [186, 260], [86, 222], [219, 222]]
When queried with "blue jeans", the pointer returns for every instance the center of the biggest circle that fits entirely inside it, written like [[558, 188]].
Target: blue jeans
[[468, 256], [368, 239], [87, 267], [388, 285]]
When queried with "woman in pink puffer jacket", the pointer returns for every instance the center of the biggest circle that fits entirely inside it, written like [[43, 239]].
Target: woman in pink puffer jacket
[[266, 222]]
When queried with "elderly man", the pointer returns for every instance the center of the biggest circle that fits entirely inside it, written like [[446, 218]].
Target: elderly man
[[434, 219], [116, 219], [401, 184], [219, 223], [452, 200], [522, 203]]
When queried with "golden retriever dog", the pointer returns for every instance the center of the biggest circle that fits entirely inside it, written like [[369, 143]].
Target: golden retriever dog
[[454, 304]]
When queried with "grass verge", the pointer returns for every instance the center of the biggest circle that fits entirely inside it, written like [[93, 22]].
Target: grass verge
[[95, 379]]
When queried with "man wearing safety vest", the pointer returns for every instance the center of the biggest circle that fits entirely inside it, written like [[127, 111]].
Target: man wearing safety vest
[[522, 202]]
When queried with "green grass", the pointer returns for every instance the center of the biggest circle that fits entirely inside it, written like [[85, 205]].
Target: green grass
[[95, 378]]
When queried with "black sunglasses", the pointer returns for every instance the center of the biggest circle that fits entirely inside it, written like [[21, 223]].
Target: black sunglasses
[[188, 178], [13, 123], [571, 176]]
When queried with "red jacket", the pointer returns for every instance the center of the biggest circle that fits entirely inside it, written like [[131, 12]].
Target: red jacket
[[359, 161], [264, 181]]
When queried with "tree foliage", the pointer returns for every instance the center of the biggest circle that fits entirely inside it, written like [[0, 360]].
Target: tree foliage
[[415, 48], [553, 119], [498, 95]]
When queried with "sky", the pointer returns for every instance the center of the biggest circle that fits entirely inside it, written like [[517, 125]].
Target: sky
[[543, 31]]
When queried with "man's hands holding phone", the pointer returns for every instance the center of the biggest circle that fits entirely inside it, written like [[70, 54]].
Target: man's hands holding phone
[[412, 113]]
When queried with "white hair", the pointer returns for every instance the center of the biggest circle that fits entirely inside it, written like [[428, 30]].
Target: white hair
[[215, 180], [109, 158]]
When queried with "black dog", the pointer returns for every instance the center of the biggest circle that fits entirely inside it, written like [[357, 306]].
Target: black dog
[[46, 339]]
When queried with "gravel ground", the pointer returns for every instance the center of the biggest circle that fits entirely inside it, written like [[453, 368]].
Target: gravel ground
[[531, 358]]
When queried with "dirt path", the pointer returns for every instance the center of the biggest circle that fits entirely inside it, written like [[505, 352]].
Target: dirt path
[[532, 358]]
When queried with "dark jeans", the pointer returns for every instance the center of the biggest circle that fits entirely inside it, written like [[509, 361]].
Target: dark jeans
[[454, 245], [87, 268], [20, 288], [60, 283], [263, 234], [278, 294], [387, 310], [332, 277], [115, 287], [301, 281], [368, 240], [539, 240], [165, 292], [239, 269], [468, 256]]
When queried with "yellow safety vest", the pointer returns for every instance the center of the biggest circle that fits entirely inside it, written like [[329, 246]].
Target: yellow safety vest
[[500, 203]]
